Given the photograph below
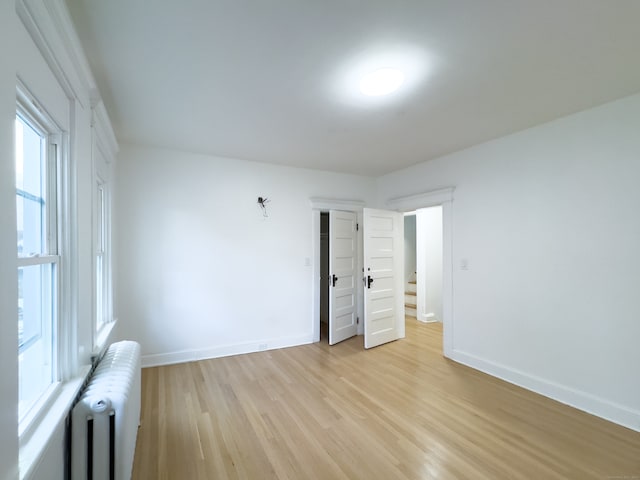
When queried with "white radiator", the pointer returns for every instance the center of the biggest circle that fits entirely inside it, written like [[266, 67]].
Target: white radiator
[[104, 422]]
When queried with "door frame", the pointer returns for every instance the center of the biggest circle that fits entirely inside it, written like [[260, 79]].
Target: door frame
[[433, 198], [318, 205]]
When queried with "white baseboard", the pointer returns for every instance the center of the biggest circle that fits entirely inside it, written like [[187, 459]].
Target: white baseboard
[[600, 407], [428, 318], [158, 359], [183, 356]]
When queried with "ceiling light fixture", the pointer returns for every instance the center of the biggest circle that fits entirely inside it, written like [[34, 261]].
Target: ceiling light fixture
[[381, 82], [381, 75]]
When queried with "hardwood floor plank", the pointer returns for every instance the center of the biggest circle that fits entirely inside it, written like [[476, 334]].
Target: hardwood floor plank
[[398, 411]]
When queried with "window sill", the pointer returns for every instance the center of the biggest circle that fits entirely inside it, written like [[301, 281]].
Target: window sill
[[33, 445], [103, 337]]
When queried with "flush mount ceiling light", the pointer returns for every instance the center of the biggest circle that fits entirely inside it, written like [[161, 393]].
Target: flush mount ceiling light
[[383, 81], [380, 75]]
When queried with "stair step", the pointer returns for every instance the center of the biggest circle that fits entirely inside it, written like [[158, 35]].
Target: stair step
[[413, 294], [410, 305], [412, 282]]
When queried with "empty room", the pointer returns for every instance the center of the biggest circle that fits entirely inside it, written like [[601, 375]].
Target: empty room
[[319, 240]]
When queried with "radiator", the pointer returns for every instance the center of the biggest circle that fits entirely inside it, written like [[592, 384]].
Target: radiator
[[105, 420]]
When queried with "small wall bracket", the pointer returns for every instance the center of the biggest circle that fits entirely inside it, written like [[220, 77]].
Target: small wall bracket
[[262, 201]]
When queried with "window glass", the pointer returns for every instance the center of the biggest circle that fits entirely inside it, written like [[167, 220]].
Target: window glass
[[37, 263], [35, 320], [30, 189]]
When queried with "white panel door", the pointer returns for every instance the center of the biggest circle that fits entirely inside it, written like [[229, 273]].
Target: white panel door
[[383, 233], [343, 276]]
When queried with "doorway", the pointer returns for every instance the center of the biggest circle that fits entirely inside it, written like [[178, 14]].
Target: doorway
[[410, 267], [429, 259], [320, 206], [324, 277], [438, 306], [423, 257], [338, 266]]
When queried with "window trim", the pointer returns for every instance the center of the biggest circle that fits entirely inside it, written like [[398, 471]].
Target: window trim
[[101, 182], [100, 246], [60, 240]]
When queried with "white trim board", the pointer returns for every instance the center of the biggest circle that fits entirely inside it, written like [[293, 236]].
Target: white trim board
[[600, 407], [183, 356], [51, 28], [428, 318], [105, 138], [321, 203], [421, 200]]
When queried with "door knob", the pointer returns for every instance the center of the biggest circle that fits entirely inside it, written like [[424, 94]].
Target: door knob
[[334, 279], [369, 281]]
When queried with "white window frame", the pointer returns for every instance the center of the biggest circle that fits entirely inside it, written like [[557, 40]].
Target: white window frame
[[103, 320], [58, 235], [102, 260]]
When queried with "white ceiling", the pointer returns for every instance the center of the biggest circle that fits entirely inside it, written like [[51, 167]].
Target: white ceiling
[[269, 80]]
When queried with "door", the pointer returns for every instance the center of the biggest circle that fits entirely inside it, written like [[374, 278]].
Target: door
[[383, 233], [343, 276]]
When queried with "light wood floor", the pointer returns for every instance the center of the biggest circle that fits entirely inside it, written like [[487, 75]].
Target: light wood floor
[[394, 412]]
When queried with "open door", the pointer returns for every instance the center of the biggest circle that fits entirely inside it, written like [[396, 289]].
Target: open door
[[342, 276], [383, 233]]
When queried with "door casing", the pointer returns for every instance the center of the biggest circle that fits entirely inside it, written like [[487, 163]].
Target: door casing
[[443, 197]]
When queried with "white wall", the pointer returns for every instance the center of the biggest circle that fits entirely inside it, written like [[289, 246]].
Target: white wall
[[548, 220], [8, 265], [409, 247], [429, 240], [51, 65], [201, 272]]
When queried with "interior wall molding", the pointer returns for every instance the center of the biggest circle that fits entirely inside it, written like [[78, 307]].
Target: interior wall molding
[[105, 137], [421, 200], [322, 203], [194, 355], [51, 28]]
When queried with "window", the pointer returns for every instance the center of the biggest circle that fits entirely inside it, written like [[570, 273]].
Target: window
[[36, 156], [102, 156], [102, 270]]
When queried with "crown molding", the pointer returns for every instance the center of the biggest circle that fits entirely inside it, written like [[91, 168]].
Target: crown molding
[[104, 136], [51, 28]]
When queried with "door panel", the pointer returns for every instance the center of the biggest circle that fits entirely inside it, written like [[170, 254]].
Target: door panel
[[384, 288], [342, 268]]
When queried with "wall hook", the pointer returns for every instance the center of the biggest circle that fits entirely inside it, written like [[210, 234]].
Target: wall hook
[[262, 201]]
